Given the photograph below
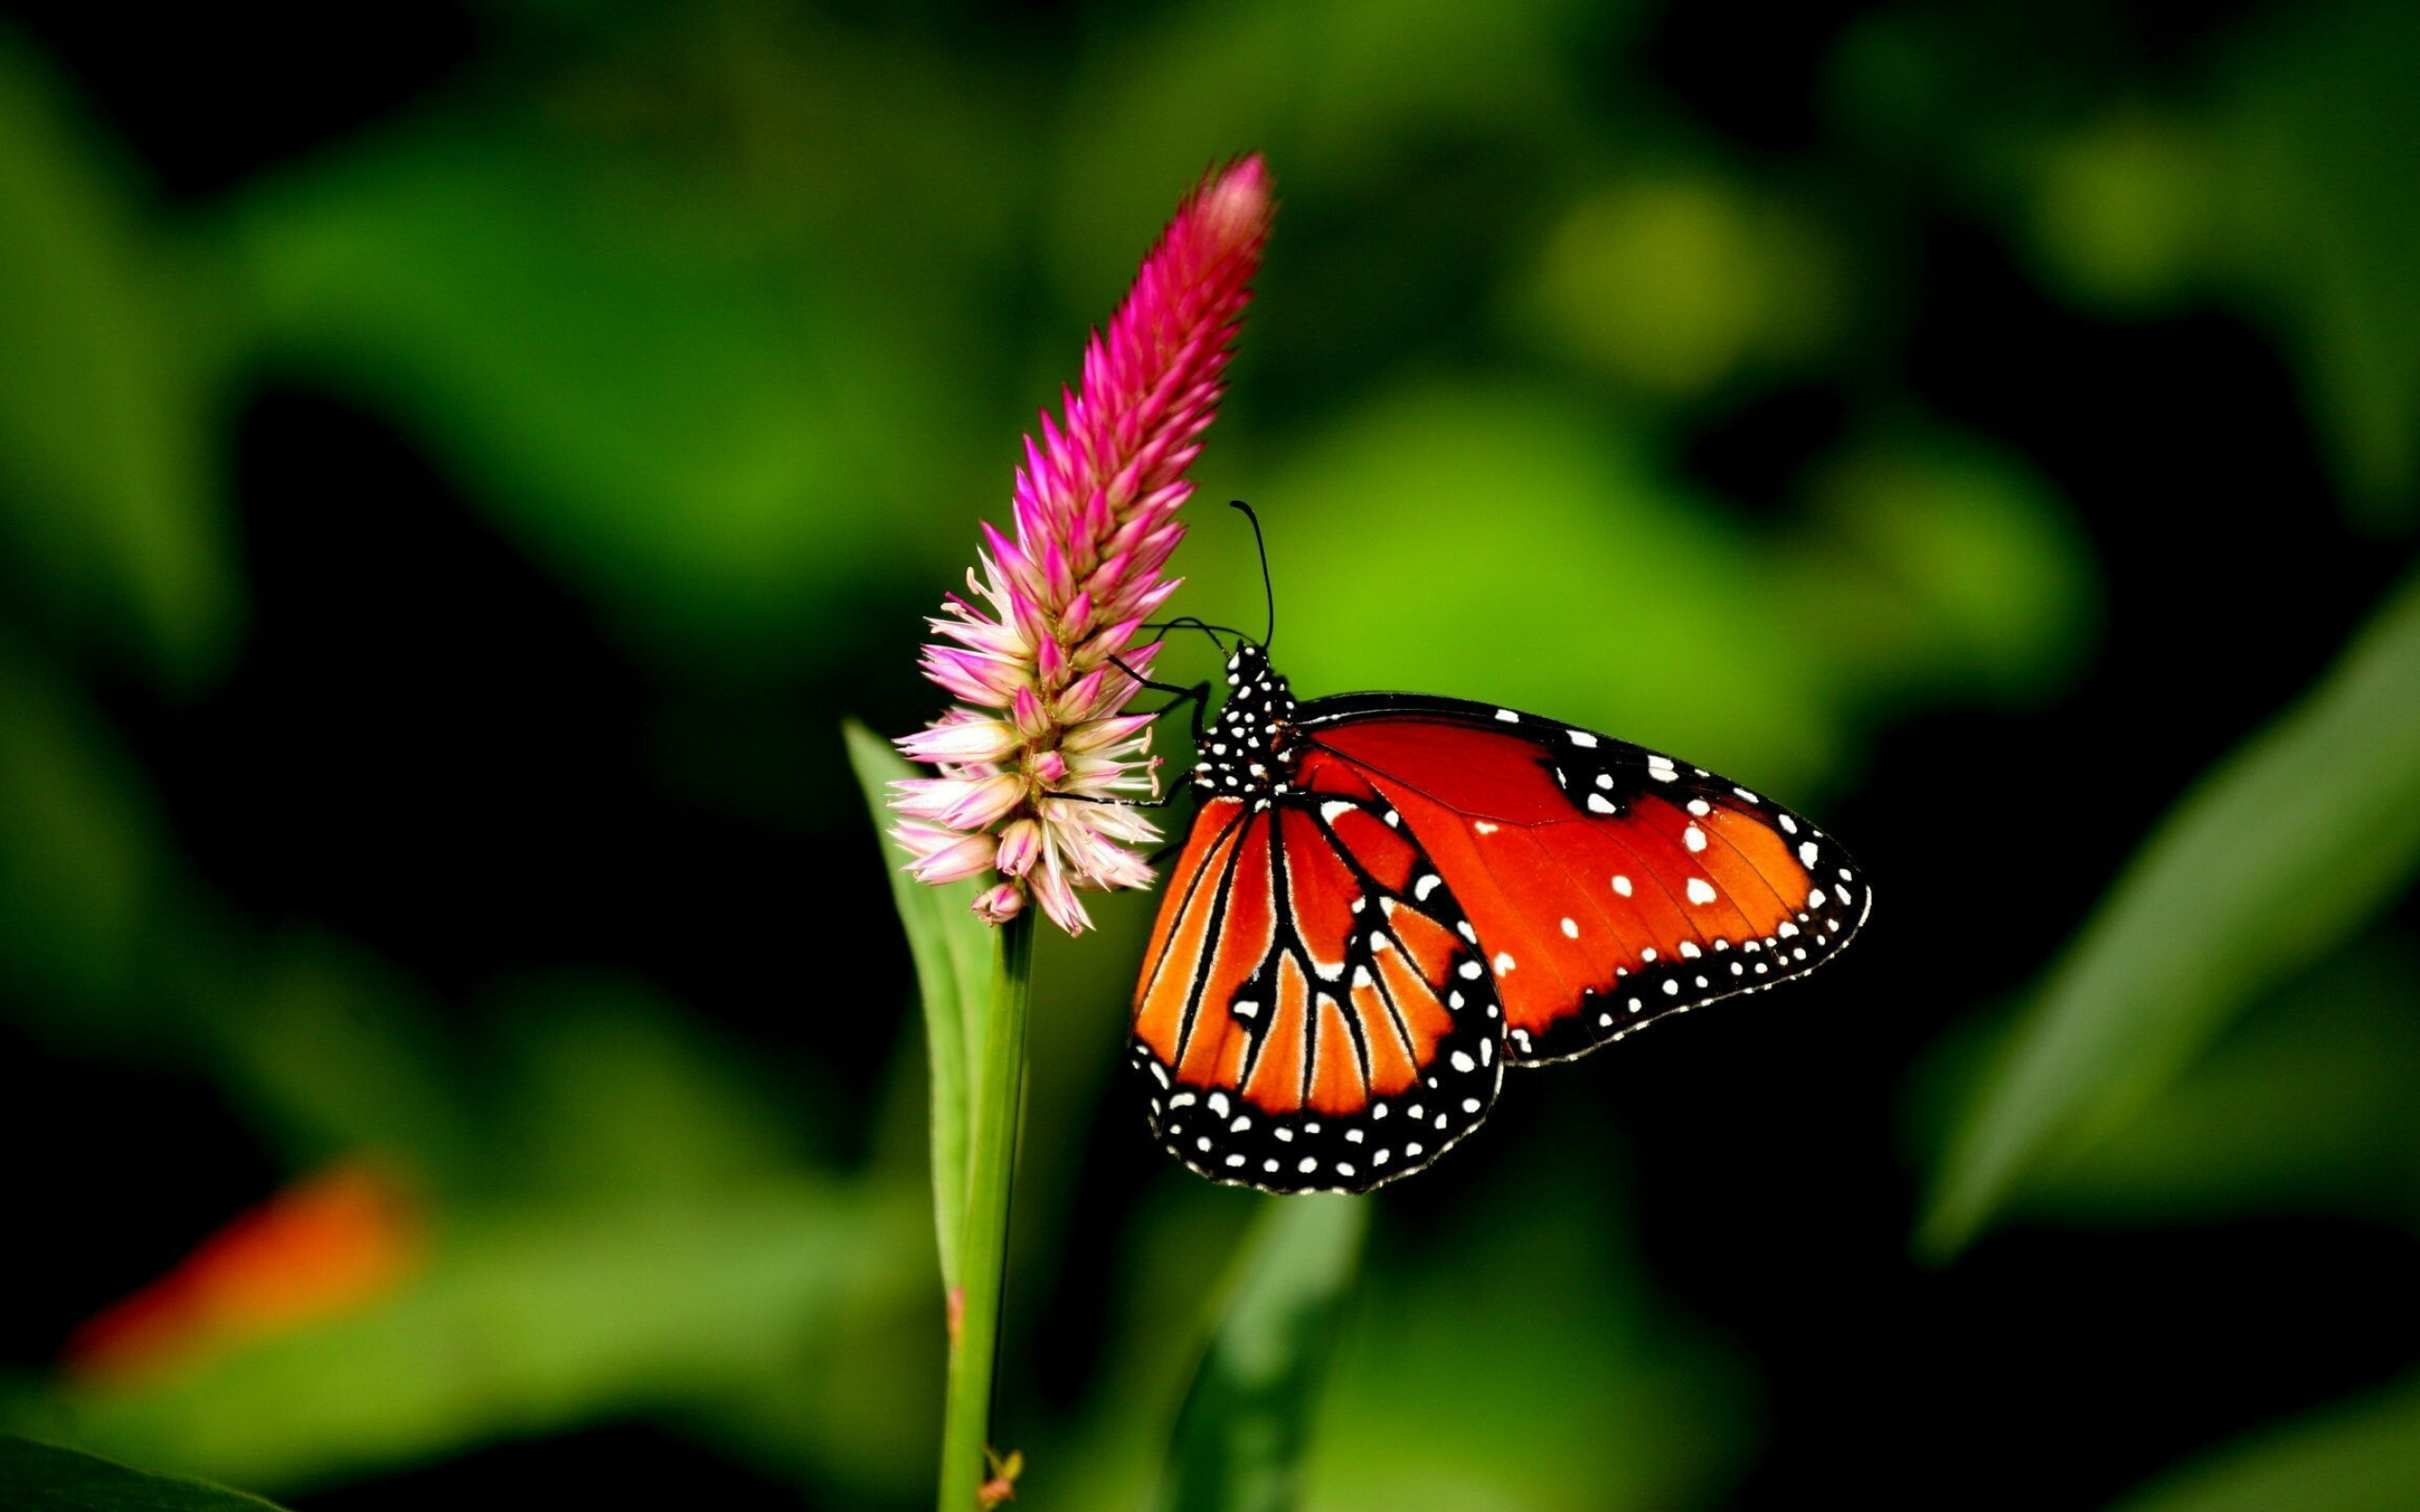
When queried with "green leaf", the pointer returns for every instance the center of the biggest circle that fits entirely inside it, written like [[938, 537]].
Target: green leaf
[[536, 1318], [1240, 1438], [1940, 564], [1675, 282], [2286, 849], [953, 954], [617, 1095], [2323, 136], [43, 1478], [2361, 1456], [325, 1049], [105, 464], [690, 406], [1648, 1415], [80, 858], [2303, 1106]]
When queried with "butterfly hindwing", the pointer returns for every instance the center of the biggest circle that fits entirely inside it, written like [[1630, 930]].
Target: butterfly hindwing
[[1609, 885], [1314, 1013]]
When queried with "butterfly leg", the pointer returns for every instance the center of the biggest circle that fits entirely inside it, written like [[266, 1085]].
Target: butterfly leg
[[1197, 695]]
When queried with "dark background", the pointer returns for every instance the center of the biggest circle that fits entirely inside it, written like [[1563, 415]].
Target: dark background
[[459, 464]]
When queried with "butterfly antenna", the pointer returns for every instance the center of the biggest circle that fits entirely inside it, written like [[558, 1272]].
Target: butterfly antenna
[[1186, 622], [1268, 595]]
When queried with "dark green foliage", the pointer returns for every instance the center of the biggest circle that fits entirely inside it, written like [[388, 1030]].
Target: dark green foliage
[[43, 1478]]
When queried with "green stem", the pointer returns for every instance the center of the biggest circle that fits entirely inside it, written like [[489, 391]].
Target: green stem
[[999, 1086]]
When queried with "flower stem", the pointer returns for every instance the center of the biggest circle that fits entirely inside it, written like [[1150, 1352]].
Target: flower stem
[[999, 1086]]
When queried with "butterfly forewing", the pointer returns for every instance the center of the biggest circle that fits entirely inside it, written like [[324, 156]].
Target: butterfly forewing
[[1608, 884], [1314, 1013]]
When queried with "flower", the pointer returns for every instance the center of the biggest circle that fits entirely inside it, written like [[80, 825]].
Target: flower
[[327, 1245], [1039, 758]]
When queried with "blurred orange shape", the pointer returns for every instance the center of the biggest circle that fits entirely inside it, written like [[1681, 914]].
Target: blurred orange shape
[[326, 1246]]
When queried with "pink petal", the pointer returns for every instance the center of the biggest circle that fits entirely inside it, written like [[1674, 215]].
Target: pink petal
[[969, 857]]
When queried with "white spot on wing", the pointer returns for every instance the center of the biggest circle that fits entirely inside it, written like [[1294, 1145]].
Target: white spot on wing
[[1701, 891]]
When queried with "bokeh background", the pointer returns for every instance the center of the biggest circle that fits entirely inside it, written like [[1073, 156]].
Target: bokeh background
[[459, 464]]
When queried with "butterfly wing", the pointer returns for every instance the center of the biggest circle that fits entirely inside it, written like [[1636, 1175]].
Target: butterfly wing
[[1314, 1013], [1608, 885]]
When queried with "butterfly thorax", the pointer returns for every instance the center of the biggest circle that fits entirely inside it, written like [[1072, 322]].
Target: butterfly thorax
[[1248, 751]]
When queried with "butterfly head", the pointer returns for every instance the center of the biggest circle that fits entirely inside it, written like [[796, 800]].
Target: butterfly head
[[1245, 750]]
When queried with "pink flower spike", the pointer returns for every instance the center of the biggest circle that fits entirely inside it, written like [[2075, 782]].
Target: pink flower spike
[[1039, 759]]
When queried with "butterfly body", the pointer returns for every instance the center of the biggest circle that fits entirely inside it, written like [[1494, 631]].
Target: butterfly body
[[1388, 898]]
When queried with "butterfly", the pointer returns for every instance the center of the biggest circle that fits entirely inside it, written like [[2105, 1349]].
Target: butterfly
[[1385, 899]]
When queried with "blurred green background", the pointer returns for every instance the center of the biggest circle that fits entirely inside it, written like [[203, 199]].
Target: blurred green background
[[460, 463]]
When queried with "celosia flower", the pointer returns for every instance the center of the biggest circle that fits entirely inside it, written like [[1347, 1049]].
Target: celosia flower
[[1031, 653]]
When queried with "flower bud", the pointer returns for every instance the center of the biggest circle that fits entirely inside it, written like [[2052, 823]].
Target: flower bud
[[1001, 903], [1020, 848]]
